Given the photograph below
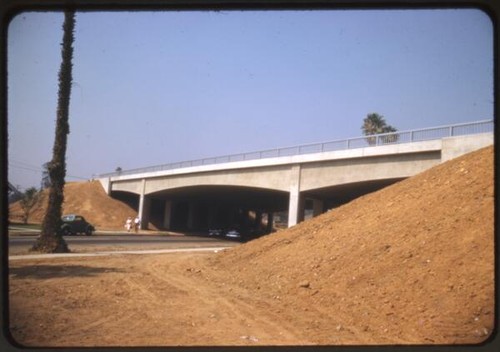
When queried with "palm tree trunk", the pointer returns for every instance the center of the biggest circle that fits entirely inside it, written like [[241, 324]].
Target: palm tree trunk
[[50, 240]]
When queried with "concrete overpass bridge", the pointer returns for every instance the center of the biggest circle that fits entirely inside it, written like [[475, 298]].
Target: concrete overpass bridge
[[248, 190]]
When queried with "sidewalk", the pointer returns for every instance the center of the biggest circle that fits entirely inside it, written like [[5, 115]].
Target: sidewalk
[[105, 253], [20, 231]]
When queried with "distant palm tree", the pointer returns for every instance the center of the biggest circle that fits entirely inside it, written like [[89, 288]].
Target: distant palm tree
[[45, 176], [50, 239], [28, 202], [375, 124]]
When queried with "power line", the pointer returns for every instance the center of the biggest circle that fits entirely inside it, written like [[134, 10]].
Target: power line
[[25, 168], [38, 170], [24, 164]]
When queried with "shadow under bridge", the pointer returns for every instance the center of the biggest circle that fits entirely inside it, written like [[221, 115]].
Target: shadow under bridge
[[199, 208]]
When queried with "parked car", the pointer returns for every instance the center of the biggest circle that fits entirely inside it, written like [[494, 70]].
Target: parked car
[[76, 224], [233, 234], [216, 232]]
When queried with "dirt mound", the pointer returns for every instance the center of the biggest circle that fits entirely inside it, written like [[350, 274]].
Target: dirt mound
[[412, 263], [84, 198]]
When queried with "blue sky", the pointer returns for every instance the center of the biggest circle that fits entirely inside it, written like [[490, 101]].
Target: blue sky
[[159, 87]]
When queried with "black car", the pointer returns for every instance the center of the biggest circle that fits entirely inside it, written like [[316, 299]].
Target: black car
[[76, 224]]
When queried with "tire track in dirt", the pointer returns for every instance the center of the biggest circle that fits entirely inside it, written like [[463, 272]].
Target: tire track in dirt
[[229, 312]]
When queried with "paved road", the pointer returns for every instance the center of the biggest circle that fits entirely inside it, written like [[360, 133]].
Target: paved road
[[21, 243]]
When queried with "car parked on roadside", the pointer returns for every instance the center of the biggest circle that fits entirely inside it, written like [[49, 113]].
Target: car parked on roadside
[[73, 224], [233, 234], [216, 232]]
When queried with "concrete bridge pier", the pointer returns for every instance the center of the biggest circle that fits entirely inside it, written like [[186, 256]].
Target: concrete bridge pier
[[212, 215], [318, 207], [270, 222], [258, 220], [295, 209], [144, 206], [191, 216], [297, 201], [167, 215], [198, 216]]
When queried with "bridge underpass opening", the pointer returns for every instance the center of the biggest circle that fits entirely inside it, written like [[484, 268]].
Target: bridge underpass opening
[[199, 208], [318, 201]]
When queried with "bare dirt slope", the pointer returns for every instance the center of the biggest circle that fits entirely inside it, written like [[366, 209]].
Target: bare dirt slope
[[410, 264], [413, 261], [84, 198]]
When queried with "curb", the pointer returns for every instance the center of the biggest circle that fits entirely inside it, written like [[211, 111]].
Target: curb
[[107, 253]]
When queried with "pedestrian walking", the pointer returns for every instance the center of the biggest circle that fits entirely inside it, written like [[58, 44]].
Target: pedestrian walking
[[128, 224], [137, 224]]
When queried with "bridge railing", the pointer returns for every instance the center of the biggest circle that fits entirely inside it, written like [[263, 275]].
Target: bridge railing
[[398, 137]]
